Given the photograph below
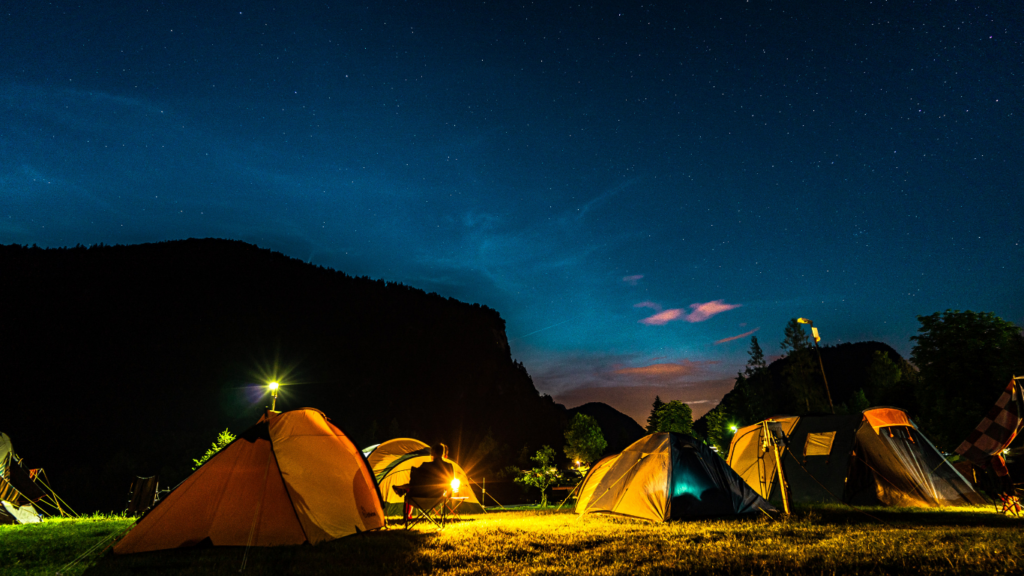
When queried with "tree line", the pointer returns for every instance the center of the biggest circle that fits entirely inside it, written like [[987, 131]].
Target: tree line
[[959, 364]]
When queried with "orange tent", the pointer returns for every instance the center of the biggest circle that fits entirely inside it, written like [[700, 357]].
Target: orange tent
[[292, 478]]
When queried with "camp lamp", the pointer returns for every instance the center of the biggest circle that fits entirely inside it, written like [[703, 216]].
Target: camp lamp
[[273, 395], [817, 339], [455, 485], [733, 428]]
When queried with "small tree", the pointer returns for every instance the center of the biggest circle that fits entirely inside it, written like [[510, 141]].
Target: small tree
[[674, 417], [584, 441], [544, 475], [223, 439], [719, 434]]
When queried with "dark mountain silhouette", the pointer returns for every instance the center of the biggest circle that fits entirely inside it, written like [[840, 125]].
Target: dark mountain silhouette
[[618, 429], [846, 367], [125, 360]]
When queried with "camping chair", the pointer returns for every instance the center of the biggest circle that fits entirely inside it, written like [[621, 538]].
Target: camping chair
[[427, 507], [429, 494], [143, 495]]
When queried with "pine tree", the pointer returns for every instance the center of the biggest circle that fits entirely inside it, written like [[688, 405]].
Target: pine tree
[[756, 361], [796, 339], [799, 371], [652, 420]]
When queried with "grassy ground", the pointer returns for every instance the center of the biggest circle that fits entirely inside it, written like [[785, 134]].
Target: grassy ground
[[829, 540], [47, 547]]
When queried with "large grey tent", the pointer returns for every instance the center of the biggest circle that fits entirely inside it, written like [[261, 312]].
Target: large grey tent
[[667, 476], [874, 457]]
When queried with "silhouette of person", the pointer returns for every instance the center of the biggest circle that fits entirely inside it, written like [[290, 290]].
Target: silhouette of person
[[428, 480]]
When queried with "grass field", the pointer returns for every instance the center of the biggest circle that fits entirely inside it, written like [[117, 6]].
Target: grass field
[[829, 540]]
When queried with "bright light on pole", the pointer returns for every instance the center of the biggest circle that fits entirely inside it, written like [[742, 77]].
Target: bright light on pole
[[273, 395], [814, 332]]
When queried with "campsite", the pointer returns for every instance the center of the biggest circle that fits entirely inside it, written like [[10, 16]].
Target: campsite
[[790, 473]]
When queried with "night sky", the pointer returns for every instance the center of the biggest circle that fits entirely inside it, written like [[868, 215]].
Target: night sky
[[637, 189]]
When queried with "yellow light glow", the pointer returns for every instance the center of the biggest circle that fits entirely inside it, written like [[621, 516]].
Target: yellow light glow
[[803, 321], [273, 386], [733, 427], [455, 485]]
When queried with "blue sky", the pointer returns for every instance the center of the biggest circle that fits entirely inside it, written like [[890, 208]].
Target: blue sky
[[637, 189]]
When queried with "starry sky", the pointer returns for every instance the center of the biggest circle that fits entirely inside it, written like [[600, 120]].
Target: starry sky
[[637, 188]]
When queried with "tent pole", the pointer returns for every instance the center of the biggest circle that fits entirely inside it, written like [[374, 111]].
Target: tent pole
[[771, 441]]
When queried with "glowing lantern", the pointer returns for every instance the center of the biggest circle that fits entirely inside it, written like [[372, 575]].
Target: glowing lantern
[[455, 485], [273, 394]]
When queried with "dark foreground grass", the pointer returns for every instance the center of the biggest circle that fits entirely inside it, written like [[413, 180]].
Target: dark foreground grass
[[828, 540]]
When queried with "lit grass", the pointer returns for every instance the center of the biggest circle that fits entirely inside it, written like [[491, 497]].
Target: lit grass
[[48, 547], [823, 540]]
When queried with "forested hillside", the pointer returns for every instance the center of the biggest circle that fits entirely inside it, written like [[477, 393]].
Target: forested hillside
[[125, 360]]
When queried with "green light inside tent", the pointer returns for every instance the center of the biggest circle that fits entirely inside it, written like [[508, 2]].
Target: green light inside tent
[[685, 482]]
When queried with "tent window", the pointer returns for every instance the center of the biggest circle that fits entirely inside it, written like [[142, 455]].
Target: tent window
[[819, 443]]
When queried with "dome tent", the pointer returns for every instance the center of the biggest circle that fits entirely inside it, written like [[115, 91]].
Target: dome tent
[[391, 462], [874, 457], [667, 476], [292, 478]]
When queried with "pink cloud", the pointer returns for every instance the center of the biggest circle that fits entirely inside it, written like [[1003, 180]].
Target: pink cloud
[[664, 369], [632, 280], [702, 312], [663, 317], [699, 312], [731, 338]]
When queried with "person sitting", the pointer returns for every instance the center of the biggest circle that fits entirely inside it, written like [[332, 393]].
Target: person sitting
[[428, 480]]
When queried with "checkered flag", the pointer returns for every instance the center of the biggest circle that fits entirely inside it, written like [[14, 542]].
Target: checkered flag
[[997, 430]]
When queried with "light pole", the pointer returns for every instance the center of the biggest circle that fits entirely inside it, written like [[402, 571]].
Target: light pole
[[814, 332], [273, 395]]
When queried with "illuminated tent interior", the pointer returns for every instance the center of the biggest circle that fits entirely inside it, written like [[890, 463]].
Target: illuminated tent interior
[[292, 478], [876, 457], [666, 476], [391, 462]]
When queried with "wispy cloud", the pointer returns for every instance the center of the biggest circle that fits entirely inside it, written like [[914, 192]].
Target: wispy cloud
[[699, 312], [666, 369], [663, 317], [737, 337], [632, 280], [702, 312]]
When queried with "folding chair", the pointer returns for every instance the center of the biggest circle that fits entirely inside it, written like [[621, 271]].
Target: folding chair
[[144, 494], [428, 504]]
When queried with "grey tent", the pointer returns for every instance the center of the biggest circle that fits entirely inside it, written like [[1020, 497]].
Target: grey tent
[[874, 457]]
